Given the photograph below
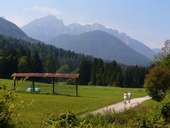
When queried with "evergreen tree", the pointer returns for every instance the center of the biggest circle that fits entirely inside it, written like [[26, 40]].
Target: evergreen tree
[[99, 72], [85, 72], [24, 64], [64, 69], [36, 63], [50, 64]]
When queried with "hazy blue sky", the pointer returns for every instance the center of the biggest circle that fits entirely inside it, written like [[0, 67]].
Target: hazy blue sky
[[145, 20]]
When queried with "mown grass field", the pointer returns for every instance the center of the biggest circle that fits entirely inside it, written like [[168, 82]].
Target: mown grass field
[[33, 108]]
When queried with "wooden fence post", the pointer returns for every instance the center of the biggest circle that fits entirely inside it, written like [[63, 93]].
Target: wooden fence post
[[76, 87], [14, 84], [53, 82], [33, 85]]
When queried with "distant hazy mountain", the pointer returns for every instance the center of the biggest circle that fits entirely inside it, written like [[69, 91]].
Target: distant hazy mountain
[[101, 44], [45, 28], [134, 44], [9, 29], [49, 27], [97, 43], [156, 50], [14, 41]]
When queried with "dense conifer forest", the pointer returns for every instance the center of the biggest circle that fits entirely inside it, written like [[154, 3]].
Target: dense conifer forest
[[98, 72], [21, 56]]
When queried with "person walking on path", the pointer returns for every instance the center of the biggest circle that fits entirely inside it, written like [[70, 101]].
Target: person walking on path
[[129, 95], [125, 98], [120, 106]]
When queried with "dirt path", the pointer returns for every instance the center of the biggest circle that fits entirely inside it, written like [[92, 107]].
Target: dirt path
[[121, 106]]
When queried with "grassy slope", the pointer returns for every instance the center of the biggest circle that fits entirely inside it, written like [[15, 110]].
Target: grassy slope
[[39, 106]]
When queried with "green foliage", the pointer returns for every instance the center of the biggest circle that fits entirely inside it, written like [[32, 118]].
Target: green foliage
[[24, 64], [21, 56], [133, 118], [69, 120], [165, 111], [49, 63], [7, 108], [113, 74], [133, 76], [64, 68], [146, 124], [146, 115], [66, 120], [98, 72], [36, 63], [165, 62], [85, 72], [157, 82]]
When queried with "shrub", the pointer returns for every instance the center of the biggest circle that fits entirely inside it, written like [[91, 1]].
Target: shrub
[[7, 108], [146, 124], [66, 120], [165, 111], [99, 119], [152, 120], [157, 82], [112, 119]]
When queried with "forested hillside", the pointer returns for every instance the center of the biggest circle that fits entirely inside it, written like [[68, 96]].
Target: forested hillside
[[21, 56], [17, 55]]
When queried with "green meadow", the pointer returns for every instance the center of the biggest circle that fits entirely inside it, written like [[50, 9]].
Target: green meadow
[[34, 108]]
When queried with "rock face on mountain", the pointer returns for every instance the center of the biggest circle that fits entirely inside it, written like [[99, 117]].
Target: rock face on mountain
[[45, 28], [101, 44], [49, 27], [9, 29]]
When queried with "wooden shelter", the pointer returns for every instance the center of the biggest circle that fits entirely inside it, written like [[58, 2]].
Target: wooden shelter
[[53, 76]]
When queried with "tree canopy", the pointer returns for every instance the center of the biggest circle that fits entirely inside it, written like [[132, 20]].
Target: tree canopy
[[21, 56], [157, 81], [98, 72]]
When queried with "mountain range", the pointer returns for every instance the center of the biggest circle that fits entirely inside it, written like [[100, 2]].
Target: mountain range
[[102, 45], [48, 28], [8, 28], [89, 41]]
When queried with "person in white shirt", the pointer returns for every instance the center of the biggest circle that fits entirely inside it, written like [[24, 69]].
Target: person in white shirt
[[129, 95], [125, 97]]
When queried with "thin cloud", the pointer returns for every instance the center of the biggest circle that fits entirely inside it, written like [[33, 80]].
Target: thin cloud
[[45, 10]]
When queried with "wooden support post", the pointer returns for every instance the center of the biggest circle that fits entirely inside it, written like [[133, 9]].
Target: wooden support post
[[33, 85], [76, 87], [53, 82], [14, 84]]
